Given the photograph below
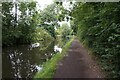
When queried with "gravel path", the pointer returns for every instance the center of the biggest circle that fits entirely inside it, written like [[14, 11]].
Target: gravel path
[[77, 64]]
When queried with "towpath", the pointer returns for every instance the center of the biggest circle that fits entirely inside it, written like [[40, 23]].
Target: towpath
[[78, 64]]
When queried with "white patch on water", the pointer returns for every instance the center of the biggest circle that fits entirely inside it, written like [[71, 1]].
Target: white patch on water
[[35, 45], [13, 63], [11, 56], [18, 61], [21, 53], [38, 68], [57, 49]]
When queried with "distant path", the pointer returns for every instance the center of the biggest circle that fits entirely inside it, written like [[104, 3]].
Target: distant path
[[77, 64]]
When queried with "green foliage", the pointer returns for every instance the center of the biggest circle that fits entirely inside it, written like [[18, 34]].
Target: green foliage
[[27, 22], [64, 31], [7, 25], [20, 28], [50, 16], [97, 25], [41, 35]]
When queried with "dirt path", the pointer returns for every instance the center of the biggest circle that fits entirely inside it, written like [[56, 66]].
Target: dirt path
[[77, 64]]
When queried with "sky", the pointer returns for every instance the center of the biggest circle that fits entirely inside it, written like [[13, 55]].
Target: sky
[[44, 3]]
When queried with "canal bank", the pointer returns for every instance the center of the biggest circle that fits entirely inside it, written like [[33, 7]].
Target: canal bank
[[50, 66]]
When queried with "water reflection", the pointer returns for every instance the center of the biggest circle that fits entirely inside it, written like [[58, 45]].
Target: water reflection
[[21, 62]]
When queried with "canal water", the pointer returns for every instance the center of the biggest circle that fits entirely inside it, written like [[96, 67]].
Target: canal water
[[23, 61]]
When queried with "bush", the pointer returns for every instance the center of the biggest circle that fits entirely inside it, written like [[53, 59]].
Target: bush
[[98, 26]]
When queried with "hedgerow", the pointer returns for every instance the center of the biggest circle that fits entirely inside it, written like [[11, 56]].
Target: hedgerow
[[98, 26]]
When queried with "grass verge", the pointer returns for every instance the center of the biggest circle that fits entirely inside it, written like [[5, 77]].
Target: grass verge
[[50, 66]]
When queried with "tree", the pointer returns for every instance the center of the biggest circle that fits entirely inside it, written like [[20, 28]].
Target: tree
[[50, 17], [64, 31], [19, 26], [97, 25], [7, 23]]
